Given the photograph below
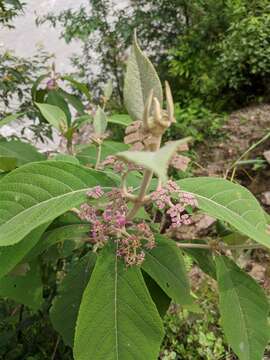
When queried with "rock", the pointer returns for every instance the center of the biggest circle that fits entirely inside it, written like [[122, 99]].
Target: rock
[[266, 154], [266, 198]]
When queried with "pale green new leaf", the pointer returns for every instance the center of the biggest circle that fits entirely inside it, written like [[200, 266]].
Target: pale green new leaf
[[25, 289], [54, 115], [23, 152], [100, 122], [140, 79], [229, 202], [244, 310], [156, 161], [117, 319], [65, 307], [37, 193], [165, 264], [108, 89]]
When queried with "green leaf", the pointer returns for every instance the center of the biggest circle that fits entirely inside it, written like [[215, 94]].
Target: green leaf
[[6, 120], [25, 288], [120, 119], [10, 256], [54, 115], [39, 192], [89, 154], [229, 202], [161, 300], [67, 158], [55, 98], [244, 309], [81, 120], [117, 319], [108, 89], [156, 161], [100, 122], [73, 100], [7, 163], [140, 79], [60, 234], [165, 264], [36, 85], [79, 86], [23, 152], [65, 307]]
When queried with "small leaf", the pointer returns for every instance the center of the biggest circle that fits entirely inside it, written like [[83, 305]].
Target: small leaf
[[229, 202], [65, 307], [166, 266], [6, 120], [157, 161], [73, 100], [117, 319], [108, 89], [25, 289], [100, 122], [140, 79], [79, 86], [55, 98], [120, 119], [7, 163], [88, 155], [54, 115], [244, 309]]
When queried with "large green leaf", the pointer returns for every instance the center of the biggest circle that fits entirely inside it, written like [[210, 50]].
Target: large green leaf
[[54, 115], [25, 288], [244, 309], [117, 319], [7, 163], [88, 155], [39, 192], [140, 79], [65, 307], [156, 161], [23, 152], [229, 202], [74, 232], [165, 265], [10, 256]]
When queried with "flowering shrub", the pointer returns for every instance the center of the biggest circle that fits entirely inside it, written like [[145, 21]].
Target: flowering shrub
[[118, 210]]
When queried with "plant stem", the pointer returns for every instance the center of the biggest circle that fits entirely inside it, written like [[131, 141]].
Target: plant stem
[[98, 156], [222, 246]]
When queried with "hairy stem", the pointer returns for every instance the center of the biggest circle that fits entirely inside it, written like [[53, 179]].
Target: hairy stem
[[222, 246], [98, 156]]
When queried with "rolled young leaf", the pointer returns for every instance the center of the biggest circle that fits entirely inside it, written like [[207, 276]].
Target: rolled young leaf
[[140, 79]]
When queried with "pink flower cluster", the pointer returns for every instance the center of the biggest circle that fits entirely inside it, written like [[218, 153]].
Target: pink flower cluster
[[111, 223], [172, 199]]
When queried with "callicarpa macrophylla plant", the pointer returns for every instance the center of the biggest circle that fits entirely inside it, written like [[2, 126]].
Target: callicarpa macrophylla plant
[[120, 215]]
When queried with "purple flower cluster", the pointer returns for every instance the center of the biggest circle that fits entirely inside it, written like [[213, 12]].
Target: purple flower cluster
[[111, 223], [172, 199]]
